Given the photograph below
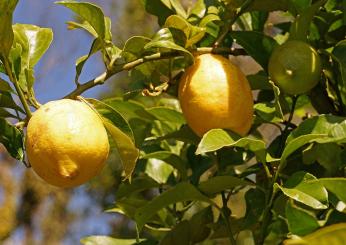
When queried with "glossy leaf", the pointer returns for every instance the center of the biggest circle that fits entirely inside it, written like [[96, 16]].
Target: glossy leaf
[[164, 40], [299, 221], [180, 193], [164, 8], [158, 170], [339, 53], [113, 115], [336, 186], [106, 240], [6, 38], [216, 139], [137, 185], [125, 146], [90, 13], [5, 87], [301, 26], [170, 158], [7, 101], [330, 235], [256, 44], [217, 184], [34, 41], [167, 115], [12, 139], [305, 188]]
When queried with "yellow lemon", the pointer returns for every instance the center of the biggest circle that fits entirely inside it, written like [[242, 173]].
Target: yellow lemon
[[66, 143], [214, 93]]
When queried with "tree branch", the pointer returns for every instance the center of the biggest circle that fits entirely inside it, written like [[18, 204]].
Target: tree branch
[[101, 79]]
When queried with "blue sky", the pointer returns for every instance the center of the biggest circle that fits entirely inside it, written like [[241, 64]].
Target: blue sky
[[56, 70]]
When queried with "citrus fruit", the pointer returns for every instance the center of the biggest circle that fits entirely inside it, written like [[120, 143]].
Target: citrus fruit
[[295, 67], [66, 143], [214, 93]]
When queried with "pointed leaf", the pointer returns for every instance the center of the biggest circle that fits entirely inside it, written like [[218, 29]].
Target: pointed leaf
[[90, 13], [220, 183], [216, 139], [336, 186], [125, 146], [137, 185], [170, 158], [301, 26], [330, 235], [256, 44], [305, 188], [299, 221], [180, 193], [106, 240], [6, 38], [12, 139], [34, 41]]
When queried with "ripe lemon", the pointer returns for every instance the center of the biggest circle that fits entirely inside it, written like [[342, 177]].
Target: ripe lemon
[[295, 67], [66, 143], [214, 93]]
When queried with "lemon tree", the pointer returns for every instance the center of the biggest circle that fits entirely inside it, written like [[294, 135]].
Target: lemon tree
[[208, 153]]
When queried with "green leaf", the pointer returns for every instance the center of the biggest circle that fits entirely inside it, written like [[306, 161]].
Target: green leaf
[[268, 5], [106, 240], [164, 8], [180, 193], [80, 62], [339, 53], [7, 101], [256, 44], [192, 33], [255, 204], [128, 206], [134, 47], [34, 40], [163, 40], [170, 158], [158, 170], [138, 184], [90, 13], [221, 183], [165, 114], [129, 109], [12, 139], [330, 235], [305, 188], [299, 221], [267, 111], [6, 38], [5, 87], [301, 26], [216, 139], [198, 9], [84, 25], [336, 186], [113, 115], [125, 146], [180, 234], [4, 114]]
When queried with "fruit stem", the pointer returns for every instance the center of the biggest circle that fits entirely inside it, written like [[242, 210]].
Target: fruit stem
[[20, 93]]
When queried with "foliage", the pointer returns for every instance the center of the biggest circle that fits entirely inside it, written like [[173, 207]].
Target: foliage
[[292, 185]]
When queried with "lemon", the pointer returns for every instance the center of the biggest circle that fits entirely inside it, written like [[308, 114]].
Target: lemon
[[66, 143], [214, 93], [295, 67]]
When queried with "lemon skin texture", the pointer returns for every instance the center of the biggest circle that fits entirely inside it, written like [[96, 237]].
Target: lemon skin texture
[[66, 143], [214, 93], [295, 67]]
